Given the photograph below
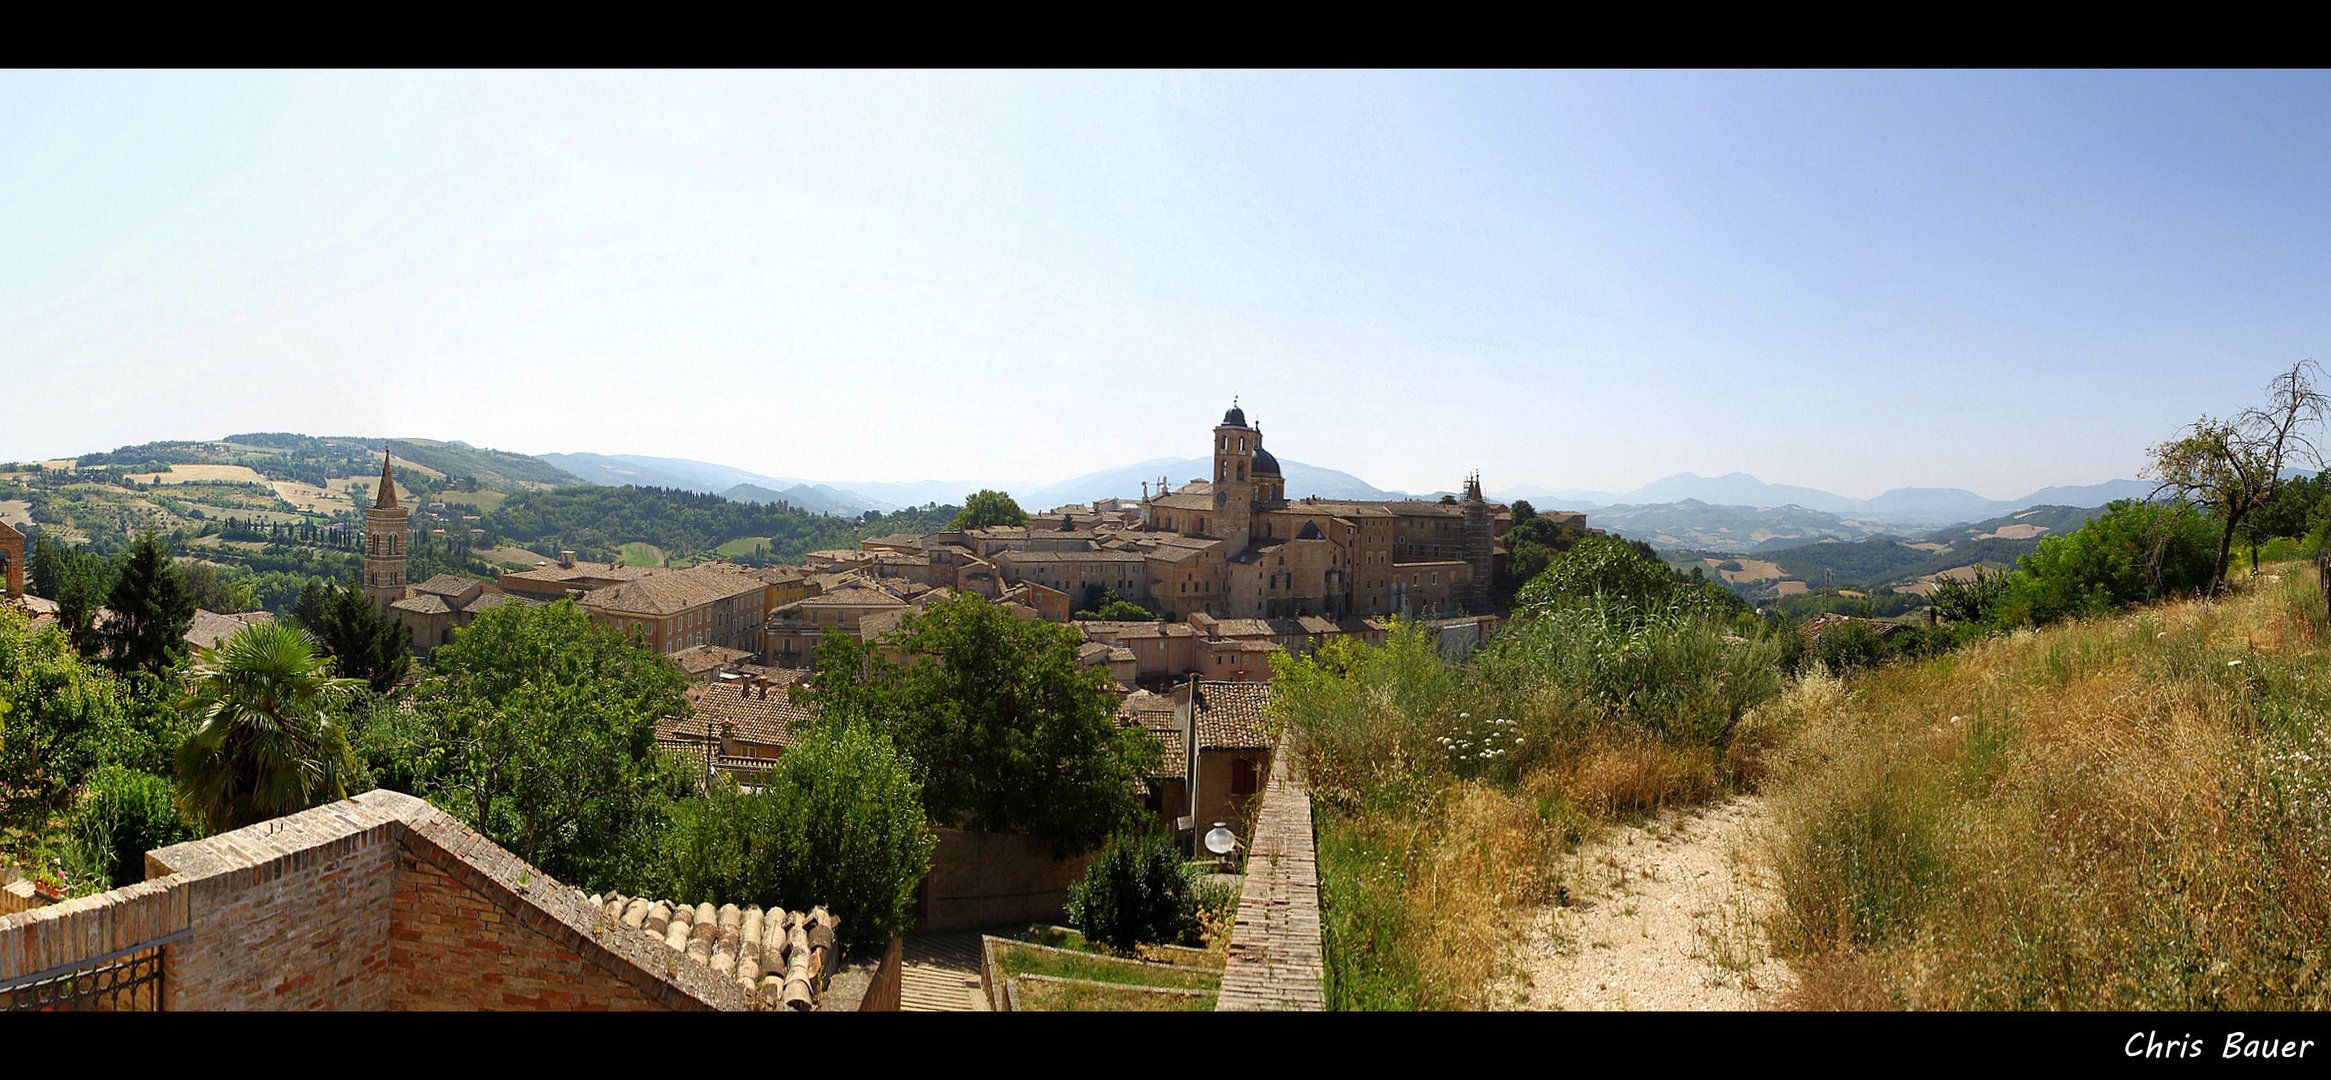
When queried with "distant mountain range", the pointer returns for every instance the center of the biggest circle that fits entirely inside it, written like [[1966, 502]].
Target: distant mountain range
[[852, 497], [1734, 512], [1902, 506]]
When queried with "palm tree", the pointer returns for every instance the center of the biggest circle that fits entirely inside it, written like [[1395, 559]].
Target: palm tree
[[264, 743]]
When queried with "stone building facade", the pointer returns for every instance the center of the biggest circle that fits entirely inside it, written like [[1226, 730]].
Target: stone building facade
[[1242, 549]]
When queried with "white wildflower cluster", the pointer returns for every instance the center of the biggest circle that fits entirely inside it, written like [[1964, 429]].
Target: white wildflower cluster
[[1477, 742]]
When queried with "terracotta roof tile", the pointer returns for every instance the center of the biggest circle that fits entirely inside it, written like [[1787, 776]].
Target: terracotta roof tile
[[209, 628], [672, 591], [1233, 716], [782, 958]]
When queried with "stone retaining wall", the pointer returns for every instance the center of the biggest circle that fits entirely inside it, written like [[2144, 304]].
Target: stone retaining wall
[[1276, 961]]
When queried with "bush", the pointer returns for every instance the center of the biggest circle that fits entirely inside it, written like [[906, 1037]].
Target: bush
[[2130, 553], [838, 822], [122, 815], [1134, 893], [1849, 647]]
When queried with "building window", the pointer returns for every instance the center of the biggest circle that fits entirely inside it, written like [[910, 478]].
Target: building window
[[1244, 776]]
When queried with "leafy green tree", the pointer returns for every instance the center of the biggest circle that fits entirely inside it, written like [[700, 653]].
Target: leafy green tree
[[266, 741], [2231, 468], [1134, 893], [2288, 511], [987, 507], [541, 735], [1601, 567], [2131, 553], [1523, 512], [77, 579], [1006, 730], [151, 609], [1120, 611], [364, 641], [209, 589], [54, 712], [838, 822]]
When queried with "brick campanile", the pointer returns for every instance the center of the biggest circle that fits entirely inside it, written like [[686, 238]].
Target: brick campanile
[[384, 542]]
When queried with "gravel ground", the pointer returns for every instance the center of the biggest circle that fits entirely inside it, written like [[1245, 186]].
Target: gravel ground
[[1663, 915]]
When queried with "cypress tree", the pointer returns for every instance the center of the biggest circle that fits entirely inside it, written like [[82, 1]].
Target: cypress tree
[[364, 641], [152, 607]]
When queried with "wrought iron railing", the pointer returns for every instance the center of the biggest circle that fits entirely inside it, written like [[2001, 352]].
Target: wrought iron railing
[[125, 980]]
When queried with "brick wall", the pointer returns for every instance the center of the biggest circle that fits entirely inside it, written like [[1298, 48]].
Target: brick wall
[[1275, 957], [451, 947], [43, 938], [284, 915], [377, 902], [987, 879]]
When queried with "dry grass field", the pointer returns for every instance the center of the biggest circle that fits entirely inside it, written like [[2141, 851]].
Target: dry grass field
[[193, 474], [16, 512], [1791, 588], [309, 497], [403, 465], [365, 484], [2014, 532], [2131, 812], [1928, 545], [1751, 570]]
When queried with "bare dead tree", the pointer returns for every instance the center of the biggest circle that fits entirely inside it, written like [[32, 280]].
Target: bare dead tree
[[2232, 467]]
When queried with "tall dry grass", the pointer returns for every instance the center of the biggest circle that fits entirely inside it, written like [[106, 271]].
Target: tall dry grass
[[2123, 813], [1445, 797]]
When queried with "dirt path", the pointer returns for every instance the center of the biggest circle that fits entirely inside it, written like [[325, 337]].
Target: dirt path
[[1667, 915]]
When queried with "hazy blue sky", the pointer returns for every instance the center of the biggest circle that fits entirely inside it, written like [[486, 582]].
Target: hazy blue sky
[[1855, 281]]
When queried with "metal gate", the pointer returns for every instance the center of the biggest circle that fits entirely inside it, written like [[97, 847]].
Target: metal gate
[[125, 980]]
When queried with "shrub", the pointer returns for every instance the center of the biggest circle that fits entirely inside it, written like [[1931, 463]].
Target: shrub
[[2131, 552], [1134, 893], [123, 814], [1849, 647]]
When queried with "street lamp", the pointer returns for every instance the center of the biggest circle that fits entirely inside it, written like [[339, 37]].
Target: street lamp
[[1221, 841]]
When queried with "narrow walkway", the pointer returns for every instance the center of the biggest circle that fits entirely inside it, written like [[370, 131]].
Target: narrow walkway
[[1669, 916], [941, 972]]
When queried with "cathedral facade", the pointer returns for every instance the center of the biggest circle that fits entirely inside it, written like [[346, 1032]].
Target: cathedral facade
[[1235, 546]]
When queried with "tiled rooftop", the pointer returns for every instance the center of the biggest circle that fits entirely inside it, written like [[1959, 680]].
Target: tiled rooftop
[[673, 591], [779, 956], [1233, 716], [760, 714], [209, 627]]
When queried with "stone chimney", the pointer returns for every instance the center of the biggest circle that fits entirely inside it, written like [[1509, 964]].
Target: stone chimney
[[566, 559]]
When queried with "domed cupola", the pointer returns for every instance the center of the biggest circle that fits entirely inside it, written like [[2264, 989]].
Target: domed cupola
[[1236, 417], [1265, 464]]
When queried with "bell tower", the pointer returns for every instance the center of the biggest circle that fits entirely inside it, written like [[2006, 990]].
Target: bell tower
[[384, 542], [1480, 552], [1234, 483]]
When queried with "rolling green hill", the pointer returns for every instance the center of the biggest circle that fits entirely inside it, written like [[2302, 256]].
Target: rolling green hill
[[499, 469]]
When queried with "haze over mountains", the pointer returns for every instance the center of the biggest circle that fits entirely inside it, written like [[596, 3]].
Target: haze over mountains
[[1904, 506], [1733, 512]]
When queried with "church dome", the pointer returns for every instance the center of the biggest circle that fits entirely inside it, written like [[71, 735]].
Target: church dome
[[1265, 464], [1236, 417]]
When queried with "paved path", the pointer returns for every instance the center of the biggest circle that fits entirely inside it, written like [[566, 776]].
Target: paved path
[[941, 972]]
